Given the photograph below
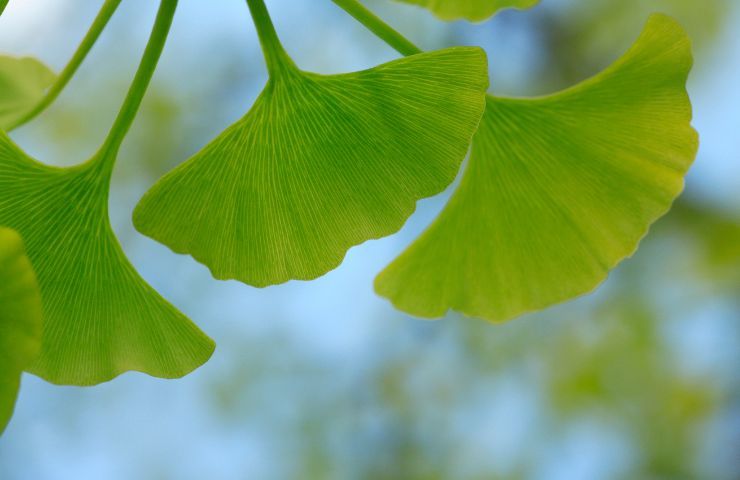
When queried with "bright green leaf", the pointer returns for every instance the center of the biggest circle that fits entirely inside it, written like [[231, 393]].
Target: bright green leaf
[[100, 317], [473, 10], [20, 319], [559, 189], [23, 82], [319, 164]]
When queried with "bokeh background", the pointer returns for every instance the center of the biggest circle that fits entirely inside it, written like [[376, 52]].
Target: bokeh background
[[324, 380]]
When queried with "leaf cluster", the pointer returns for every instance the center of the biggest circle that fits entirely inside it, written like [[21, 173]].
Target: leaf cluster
[[557, 191]]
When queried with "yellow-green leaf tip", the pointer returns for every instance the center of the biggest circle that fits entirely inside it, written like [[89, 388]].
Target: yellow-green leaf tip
[[472, 10], [23, 82], [559, 189], [20, 319]]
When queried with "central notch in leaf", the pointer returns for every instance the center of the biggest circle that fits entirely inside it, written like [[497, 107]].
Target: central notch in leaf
[[319, 164]]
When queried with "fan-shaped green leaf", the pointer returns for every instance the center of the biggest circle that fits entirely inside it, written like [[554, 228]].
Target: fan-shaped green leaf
[[319, 164], [559, 189], [473, 10], [100, 317], [23, 82], [20, 319]]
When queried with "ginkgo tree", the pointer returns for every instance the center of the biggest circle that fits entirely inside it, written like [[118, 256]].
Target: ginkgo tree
[[557, 191]]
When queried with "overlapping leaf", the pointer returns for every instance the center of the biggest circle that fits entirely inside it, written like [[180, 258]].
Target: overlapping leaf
[[100, 317], [559, 189], [23, 82], [319, 164], [473, 10], [20, 319]]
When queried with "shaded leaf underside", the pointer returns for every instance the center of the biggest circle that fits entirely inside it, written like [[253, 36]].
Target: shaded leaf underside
[[558, 190], [23, 82], [20, 319], [100, 317], [319, 164], [473, 10]]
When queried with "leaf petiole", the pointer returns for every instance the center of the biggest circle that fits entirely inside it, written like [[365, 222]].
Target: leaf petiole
[[141, 81], [378, 27], [101, 20], [275, 56]]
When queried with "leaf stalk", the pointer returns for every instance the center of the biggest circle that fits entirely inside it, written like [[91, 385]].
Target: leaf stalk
[[378, 27], [140, 84], [276, 57]]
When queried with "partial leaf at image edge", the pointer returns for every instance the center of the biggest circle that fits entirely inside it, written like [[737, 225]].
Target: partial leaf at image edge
[[559, 189], [23, 82], [320, 164], [472, 10], [20, 319]]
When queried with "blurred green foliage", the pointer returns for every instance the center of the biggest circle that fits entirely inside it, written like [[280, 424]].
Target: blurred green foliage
[[420, 407], [583, 38]]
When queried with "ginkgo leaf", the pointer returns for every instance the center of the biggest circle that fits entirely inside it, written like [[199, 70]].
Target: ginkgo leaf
[[23, 82], [473, 10], [100, 317], [20, 319], [559, 189], [319, 164]]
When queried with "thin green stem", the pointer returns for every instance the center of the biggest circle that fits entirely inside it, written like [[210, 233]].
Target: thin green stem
[[275, 56], [141, 81], [3, 4], [105, 14], [376, 25]]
